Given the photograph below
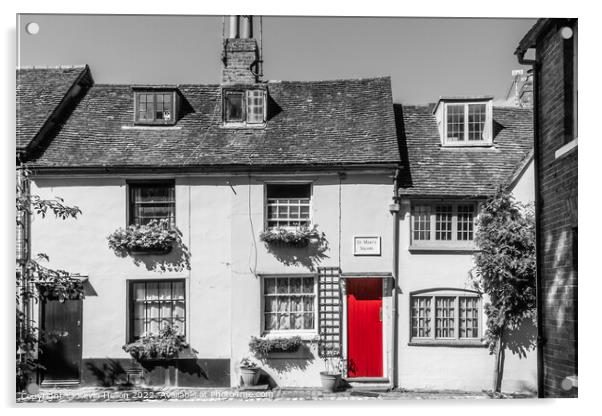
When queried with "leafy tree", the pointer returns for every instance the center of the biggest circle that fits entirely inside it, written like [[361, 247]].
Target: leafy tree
[[34, 282], [505, 270]]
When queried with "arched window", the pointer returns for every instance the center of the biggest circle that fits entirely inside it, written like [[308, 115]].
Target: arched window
[[446, 316]]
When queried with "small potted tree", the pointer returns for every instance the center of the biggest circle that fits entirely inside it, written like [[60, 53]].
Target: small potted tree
[[249, 372]]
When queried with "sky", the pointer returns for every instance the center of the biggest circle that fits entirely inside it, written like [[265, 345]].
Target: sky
[[425, 57]]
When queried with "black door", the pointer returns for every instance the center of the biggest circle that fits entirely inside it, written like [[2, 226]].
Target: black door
[[62, 341]]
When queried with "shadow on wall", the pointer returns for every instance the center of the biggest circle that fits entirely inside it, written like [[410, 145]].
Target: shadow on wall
[[109, 373], [282, 363], [177, 260], [309, 257], [522, 339]]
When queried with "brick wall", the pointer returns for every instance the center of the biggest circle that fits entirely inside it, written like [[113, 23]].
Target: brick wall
[[240, 58], [558, 215]]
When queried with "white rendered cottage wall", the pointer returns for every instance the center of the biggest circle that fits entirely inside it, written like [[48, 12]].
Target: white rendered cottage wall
[[220, 219], [444, 367], [363, 209]]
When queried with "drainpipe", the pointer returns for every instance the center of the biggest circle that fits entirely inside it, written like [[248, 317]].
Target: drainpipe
[[538, 240], [394, 210]]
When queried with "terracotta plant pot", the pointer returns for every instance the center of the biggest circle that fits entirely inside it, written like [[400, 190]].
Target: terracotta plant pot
[[249, 376], [330, 381]]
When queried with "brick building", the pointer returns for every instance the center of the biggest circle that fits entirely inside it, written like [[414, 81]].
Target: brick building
[[555, 130]]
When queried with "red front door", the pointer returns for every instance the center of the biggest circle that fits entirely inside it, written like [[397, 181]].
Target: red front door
[[364, 328]]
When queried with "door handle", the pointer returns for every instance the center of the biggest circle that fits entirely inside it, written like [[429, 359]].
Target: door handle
[[380, 314]]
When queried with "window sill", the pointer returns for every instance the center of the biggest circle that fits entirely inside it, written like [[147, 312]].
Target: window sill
[[443, 248], [242, 126], [152, 127], [305, 336], [481, 144], [447, 343]]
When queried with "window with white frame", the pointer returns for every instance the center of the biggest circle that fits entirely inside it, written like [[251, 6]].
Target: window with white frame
[[155, 107], [288, 205], [467, 123], [244, 107], [289, 304], [445, 315], [443, 223]]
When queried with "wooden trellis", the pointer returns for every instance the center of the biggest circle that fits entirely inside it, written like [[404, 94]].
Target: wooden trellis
[[329, 311]]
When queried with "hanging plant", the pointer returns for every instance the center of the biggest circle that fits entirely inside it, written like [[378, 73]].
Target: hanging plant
[[297, 237], [156, 236]]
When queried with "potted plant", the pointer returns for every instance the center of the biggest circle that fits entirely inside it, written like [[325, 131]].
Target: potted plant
[[331, 377], [248, 371], [156, 237], [296, 237], [261, 347]]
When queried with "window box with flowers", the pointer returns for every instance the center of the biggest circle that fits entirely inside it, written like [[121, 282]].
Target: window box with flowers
[[293, 237], [167, 345], [155, 237]]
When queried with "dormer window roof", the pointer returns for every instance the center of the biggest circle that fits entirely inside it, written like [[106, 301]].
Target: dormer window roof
[[155, 105], [465, 121], [244, 106]]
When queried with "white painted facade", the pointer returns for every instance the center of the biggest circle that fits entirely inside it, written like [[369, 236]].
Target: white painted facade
[[220, 218]]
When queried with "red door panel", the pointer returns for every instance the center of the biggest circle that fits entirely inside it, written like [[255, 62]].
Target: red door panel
[[364, 328]]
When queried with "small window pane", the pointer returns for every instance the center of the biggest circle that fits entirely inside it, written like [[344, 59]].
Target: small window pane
[[421, 316], [269, 286], [465, 222], [233, 107], [443, 222], [455, 122], [469, 317], [476, 121], [422, 222], [445, 317]]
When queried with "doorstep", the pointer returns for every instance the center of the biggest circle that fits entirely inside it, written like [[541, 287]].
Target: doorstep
[[369, 383]]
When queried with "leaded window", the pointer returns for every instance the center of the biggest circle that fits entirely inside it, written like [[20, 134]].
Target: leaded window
[[155, 304], [469, 317], [289, 304], [421, 316], [445, 315]]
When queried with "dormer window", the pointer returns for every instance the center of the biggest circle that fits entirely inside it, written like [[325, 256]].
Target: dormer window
[[464, 122], [244, 108], [155, 107]]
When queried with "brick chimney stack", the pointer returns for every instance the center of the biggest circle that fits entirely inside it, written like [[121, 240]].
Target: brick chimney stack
[[240, 56]]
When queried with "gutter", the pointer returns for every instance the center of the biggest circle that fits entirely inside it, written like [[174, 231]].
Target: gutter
[[394, 209], [538, 231]]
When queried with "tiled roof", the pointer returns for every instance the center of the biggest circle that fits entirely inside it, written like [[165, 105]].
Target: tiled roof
[[39, 92], [309, 123], [436, 171]]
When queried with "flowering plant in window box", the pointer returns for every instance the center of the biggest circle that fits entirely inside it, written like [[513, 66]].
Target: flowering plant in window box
[[154, 237], [165, 346], [296, 237], [261, 347]]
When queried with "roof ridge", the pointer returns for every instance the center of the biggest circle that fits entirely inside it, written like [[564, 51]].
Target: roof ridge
[[28, 67]]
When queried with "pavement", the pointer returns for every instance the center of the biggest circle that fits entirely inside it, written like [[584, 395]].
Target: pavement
[[182, 394]]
